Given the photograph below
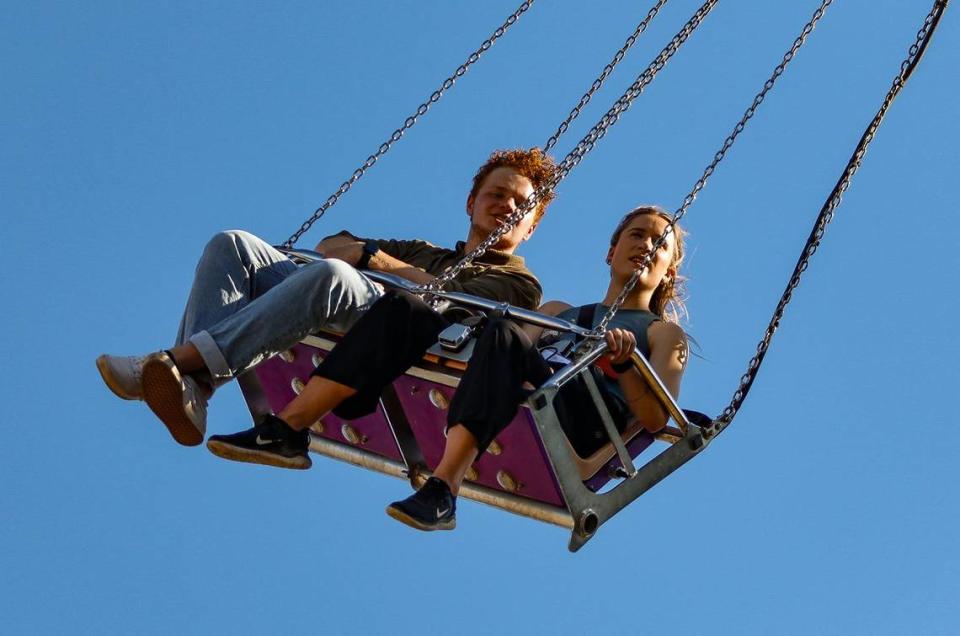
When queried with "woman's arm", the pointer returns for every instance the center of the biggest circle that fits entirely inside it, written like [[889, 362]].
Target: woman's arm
[[668, 357]]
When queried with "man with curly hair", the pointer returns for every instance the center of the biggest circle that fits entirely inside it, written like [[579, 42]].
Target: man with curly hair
[[249, 301]]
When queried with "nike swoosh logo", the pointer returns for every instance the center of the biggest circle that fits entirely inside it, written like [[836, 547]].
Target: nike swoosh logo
[[440, 513], [263, 442]]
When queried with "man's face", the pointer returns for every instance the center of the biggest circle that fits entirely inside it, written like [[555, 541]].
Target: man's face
[[500, 194]]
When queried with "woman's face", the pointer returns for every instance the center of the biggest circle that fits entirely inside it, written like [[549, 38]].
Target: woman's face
[[635, 242]]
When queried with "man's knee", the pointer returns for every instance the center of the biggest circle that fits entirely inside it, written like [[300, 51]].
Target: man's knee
[[231, 242], [330, 272]]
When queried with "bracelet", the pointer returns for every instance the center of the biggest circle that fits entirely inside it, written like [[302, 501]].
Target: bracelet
[[370, 249], [621, 367]]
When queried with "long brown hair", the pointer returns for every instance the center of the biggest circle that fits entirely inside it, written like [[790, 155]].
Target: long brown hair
[[669, 296]]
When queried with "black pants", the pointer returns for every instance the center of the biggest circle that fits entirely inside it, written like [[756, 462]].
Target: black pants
[[387, 340], [393, 336], [491, 390]]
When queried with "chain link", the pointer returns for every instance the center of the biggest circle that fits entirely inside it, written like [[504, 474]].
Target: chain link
[[576, 155], [914, 55], [407, 125], [711, 167], [607, 70]]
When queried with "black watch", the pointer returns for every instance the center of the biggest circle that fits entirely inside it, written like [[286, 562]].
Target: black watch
[[370, 249]]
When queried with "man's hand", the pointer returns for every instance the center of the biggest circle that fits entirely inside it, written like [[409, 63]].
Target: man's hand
[[622, 342], [349, 252]]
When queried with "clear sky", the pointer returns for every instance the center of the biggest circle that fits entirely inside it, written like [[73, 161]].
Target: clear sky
[[131, 132]]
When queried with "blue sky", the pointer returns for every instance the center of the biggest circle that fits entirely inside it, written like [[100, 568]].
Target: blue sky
[[132, 132]]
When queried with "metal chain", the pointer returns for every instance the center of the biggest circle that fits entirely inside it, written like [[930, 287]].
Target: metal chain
[[914, 55], [711, 167], [607, 70], [576, 155], [407, 124]]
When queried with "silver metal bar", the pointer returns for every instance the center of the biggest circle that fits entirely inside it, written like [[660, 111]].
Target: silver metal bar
[[653, 381], [625, 460], [590, 510], [605, 506], [467, 300], [642, 365], [357, 457], [570, 371], [517, 313], [400, 428], [505, 501], [254, 395]]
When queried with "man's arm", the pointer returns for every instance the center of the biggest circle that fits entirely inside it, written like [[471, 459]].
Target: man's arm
[[514, 286], [335, 241], [668, 357], [350, 250]]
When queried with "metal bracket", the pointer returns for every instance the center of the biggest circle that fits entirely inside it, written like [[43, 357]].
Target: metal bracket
[[454, 337]]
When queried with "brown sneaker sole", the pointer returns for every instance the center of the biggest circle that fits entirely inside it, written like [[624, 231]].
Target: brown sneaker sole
[[238, 454], [163, 393], [406, 519], [111, 381]]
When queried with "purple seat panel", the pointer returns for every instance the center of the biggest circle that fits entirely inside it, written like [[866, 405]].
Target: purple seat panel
[[521, 456], [276, 377], [516, 462]]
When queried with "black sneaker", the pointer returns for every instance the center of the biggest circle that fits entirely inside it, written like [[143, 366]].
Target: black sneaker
[[433, 507], [271, 442]]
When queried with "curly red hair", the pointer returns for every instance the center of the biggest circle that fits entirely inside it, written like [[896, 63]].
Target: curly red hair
[[534, 164]]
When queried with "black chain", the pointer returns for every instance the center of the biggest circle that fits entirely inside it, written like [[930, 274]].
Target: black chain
[[407, 125], [907, 67], [580, 150], [712, 166], [607, 70]]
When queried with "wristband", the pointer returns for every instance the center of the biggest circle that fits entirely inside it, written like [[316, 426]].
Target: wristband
[[621, 367], [370, 249]]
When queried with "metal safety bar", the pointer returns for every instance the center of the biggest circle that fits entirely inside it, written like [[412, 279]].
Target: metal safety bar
[[640, 363], [418, 474], [589, 509], [466, 300], [612, 433]]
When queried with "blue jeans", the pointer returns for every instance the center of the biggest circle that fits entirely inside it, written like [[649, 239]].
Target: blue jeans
[[249, 302]]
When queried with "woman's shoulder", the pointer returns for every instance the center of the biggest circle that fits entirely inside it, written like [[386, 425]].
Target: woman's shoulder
[[555, 307], [666, 333]]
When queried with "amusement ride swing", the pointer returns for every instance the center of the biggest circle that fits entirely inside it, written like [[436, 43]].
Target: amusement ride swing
[[530, 468]]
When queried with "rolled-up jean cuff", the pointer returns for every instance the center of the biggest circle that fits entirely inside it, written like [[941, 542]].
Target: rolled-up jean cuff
[[220, 372]]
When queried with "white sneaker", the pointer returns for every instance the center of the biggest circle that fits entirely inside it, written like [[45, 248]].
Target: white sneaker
[[179, 402], [122, 375]]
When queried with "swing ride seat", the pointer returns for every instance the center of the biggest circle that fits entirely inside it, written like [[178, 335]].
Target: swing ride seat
[[531, 469], [405, 435]]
